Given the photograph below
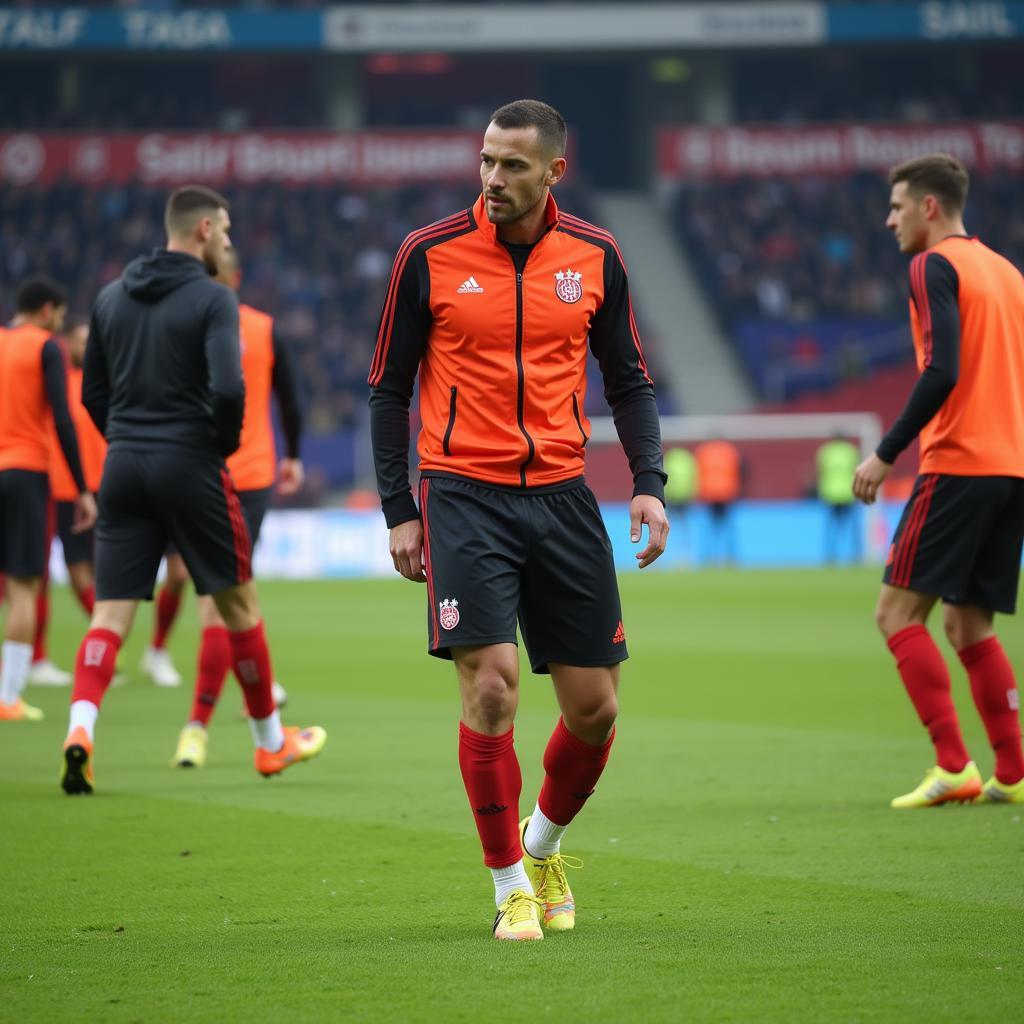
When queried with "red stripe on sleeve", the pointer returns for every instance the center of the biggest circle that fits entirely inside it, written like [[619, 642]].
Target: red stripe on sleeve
[[424, 492]]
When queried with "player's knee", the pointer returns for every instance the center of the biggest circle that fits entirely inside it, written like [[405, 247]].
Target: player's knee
[[593, 722], [238, 607], [493, 698]]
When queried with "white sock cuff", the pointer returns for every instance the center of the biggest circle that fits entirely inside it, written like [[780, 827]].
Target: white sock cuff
[[267, 732], [543, 836], [508, 880], [17, 661]]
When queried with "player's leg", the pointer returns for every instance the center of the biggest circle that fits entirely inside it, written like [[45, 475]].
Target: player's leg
[[572, 624], [932, 554], [156, 658], [83, 584], [473, 550], [970, 628], [204, 517], [16, 664], [23, 498]]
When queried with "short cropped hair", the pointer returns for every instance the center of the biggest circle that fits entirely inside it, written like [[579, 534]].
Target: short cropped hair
[[36, 292], [186, 205], [549, 122], [937, 174]]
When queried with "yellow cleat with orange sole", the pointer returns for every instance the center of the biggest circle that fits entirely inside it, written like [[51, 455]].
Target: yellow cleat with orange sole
[[517, 918], [547, 876], [19, 711], [299, 745], [941, 787], [996, 792], [76, 771]]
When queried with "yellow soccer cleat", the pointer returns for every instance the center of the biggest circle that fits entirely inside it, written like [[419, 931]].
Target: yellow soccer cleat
[[996, 792], [191, 752], [517, 918], [76, 771], [547, 876], [942, 787], [19, 711]]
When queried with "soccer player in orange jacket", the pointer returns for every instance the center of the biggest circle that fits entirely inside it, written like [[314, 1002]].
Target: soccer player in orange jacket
[[266, 368], [961, 533], [493, 308], [33, 389]]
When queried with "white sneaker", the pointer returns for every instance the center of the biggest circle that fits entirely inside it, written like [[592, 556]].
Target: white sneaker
[[157, 664], [45, 673]]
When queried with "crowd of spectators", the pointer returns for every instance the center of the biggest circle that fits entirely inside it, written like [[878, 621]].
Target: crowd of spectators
[[808, 248], [317, 258]]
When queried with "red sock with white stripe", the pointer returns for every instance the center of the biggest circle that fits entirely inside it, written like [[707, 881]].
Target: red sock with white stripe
[[250, 657], [94, 668], [214, 662], [167, 605], [926, 678], [997, 699], [571, 771]]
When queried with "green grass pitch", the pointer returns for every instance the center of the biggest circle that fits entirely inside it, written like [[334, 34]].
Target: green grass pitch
[[741, 860]]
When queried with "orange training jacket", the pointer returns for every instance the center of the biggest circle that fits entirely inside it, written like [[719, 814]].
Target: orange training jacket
[[501, 358]]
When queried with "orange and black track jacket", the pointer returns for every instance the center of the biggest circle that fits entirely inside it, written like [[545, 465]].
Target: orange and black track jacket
[[501, 355]]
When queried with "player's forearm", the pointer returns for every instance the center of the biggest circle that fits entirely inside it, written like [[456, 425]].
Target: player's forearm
[[389, 432], [285, 385], [636, 422], [930, 391]]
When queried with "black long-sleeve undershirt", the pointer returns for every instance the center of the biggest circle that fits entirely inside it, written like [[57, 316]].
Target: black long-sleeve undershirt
[[286, 388], [936, 299], [56, 384]]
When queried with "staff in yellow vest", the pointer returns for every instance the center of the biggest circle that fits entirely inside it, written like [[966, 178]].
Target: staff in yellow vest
[[837, 461], [680, 492]]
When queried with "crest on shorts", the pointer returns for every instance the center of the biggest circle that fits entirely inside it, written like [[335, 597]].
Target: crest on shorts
[[449, 613], [567, 285]]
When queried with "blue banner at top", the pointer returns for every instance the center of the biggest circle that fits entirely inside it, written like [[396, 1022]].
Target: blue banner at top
[[75, 28], [475, 27], [932, 21]]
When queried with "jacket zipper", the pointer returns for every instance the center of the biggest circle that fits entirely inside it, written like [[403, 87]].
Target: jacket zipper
[[451, 420], [579, 420], [521, 375]]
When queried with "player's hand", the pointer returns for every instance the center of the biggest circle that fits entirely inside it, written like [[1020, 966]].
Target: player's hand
[[870, 475], [85, 513], [290, 476], [645, 508], [406, 545]]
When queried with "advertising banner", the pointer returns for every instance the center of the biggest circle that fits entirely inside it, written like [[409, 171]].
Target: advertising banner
[[729, 152], [293, 158]]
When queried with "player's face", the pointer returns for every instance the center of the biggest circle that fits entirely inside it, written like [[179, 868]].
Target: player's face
[[77, 339], [53, 317], [515, 173], [217, 242], [907, 220]]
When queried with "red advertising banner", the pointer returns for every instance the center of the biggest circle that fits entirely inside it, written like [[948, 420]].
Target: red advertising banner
[[728, 152], [299, 158]]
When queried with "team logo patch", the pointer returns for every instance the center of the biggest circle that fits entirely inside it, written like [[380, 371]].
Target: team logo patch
[[567, 285], [94, 651], [449, 613]]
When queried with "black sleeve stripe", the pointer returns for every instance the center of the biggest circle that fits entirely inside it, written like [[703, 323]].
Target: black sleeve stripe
[[450, 225], [581, 228]]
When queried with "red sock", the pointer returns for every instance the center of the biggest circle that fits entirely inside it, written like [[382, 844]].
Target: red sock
[[167, 605], [250, 657], [926, 678], [87, 598], [490, 772], [214, 662], [42, 621], [94, 666], [571, 771], [998, 702]]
